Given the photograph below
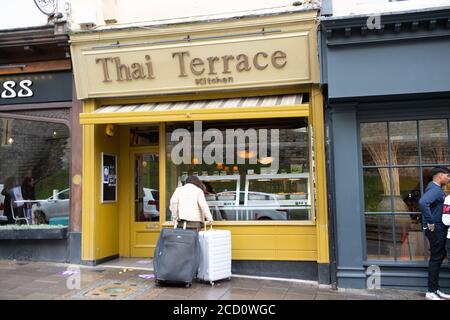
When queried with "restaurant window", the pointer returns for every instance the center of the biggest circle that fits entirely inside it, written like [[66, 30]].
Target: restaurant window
[[34, 172], [397, 157], [253, 170]]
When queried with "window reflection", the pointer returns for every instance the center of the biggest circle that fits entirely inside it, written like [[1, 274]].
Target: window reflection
[[374, 140], [34, 172], [403, 140], [262, 177], [395, 175], [434, 141], [379, 237]]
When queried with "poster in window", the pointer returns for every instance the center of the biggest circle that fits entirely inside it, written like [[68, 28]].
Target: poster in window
[[109, 177]]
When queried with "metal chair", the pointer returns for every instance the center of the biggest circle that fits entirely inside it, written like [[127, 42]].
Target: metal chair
[[16, 198]]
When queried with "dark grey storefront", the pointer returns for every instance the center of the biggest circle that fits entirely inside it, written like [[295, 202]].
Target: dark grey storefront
[[40, 138], [387, 115]]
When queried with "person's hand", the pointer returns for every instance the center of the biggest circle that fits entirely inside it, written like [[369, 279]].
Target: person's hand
[[209, 223], [431, 227]]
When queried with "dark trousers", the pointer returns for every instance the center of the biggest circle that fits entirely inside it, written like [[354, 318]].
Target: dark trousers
[[438, 252]]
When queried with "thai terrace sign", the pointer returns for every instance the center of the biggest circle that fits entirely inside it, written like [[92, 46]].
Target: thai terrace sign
[[140, 70]]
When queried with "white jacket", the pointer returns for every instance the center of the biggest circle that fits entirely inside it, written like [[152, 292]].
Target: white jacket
[[188, 203], [446, 214]]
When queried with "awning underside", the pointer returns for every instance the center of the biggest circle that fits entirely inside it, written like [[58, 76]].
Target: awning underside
[[279, 106], [265, 101]]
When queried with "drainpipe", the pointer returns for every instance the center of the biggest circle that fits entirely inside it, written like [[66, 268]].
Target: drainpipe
[[331, 191]]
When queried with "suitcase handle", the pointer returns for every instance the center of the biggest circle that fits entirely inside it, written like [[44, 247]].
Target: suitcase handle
[[210, 226], [175, 224]]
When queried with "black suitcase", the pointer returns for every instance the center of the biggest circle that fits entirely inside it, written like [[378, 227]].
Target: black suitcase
[[177, 256]]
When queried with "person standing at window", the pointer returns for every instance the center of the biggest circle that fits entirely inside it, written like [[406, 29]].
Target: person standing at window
[[10, 183], [188, 204], [431, 204]]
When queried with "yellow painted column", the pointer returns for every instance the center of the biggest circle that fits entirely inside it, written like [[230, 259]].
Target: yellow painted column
[[126, 181], [162, 173], [88, 192], [323, 255]]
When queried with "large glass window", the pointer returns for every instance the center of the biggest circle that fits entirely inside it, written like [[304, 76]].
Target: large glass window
[[252, 169], [34, 172], [397, 157]]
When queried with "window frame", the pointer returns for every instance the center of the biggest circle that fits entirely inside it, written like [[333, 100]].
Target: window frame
[[420, 166], [311, 171]]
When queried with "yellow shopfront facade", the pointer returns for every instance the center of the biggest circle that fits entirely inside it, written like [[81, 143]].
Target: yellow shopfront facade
[[235, 102]]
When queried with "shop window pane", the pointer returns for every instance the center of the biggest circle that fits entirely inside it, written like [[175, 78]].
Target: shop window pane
[[380, 237], [403, 139], [146, 193], [406, 186], [411, 242], [34, 168], [377, 190], [374, 139], [434, 141], [252, 170]]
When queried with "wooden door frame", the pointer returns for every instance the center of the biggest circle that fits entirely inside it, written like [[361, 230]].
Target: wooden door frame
[[136, 226]]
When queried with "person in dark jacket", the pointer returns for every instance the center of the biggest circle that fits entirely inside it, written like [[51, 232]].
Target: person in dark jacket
[[28, 192], [431, 204], [10, 183]]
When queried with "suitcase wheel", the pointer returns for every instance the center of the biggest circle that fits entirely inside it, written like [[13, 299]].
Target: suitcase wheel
[[157, 283], [188, 285]]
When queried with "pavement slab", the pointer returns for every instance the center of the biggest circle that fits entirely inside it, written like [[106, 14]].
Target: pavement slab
[[45, 281]]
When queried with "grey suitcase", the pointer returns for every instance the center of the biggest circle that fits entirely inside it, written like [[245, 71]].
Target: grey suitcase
[[177, 256]]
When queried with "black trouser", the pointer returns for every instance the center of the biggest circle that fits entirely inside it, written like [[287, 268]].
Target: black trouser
[[438, 240]]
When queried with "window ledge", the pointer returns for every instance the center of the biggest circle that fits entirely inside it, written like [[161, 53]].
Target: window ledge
[[255, 223], [34, 234]]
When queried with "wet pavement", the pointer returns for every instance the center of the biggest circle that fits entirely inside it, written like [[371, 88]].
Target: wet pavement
[[115, 281]]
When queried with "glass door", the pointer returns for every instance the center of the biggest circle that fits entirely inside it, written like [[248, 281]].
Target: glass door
[[145, 207]]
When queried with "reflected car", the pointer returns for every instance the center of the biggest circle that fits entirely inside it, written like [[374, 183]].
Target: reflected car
[[54, 206], [151, 204], [228, 198]]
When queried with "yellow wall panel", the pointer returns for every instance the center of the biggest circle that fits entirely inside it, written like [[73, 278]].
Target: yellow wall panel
[[143, 238], [106, 214], [253, 242], [273, 242], [296, 242], [124, 192]]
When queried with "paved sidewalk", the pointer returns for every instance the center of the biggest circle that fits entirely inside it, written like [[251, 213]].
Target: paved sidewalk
[[48, 281]]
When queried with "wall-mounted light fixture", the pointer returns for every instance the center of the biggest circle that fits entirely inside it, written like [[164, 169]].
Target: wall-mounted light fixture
[[109, 130]]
